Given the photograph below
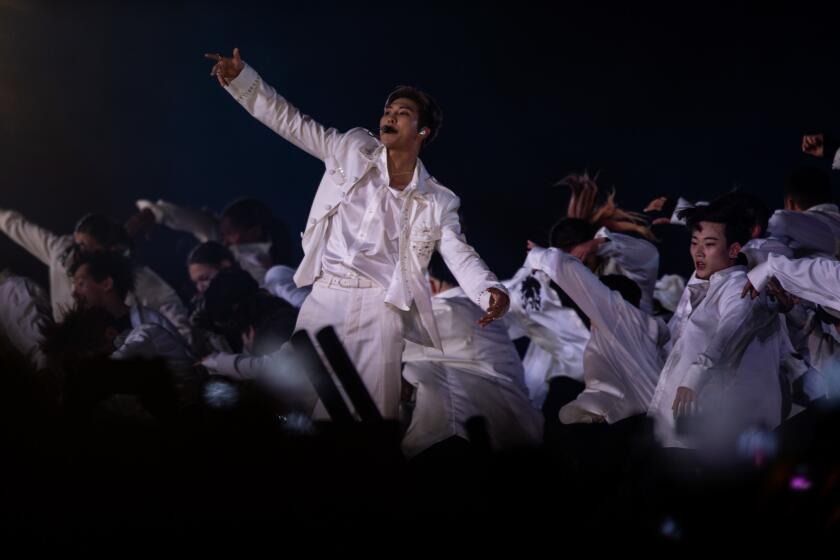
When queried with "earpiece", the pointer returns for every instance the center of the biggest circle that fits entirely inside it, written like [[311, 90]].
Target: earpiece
[[422, 133]]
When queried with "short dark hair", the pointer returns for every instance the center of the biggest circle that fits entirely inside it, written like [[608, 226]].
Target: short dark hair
[[568, 232], [727, 211], [755, 209], [211, 253], [104, 230], [808, 186], [248, 213], [429, 115], [106, 264], [628, 289]]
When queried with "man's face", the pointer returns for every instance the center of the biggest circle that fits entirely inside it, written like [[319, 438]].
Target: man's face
[[710, 250], [201, 275], [398, 124], [87, 291]]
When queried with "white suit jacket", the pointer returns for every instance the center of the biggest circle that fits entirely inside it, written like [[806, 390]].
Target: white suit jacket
[[428, 222]]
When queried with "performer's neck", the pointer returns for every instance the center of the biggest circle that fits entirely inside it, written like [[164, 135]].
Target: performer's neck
[[401, 164]]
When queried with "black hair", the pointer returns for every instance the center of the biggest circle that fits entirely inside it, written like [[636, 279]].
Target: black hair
[[111, 234], [736, 220], [628, 289], [808, 186], [248, 213], [234, 302], [754, 209], [438, 269], [211, 253], [429, 115], [568, 232], [106, 264]]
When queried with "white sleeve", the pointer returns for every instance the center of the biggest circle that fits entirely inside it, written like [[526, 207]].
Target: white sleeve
[[816, 280], [39, 242], [271, 109], [835, 163], [279, 280], [596, 300], [469, 269], [804, 230], [201, 223], [637, 259]]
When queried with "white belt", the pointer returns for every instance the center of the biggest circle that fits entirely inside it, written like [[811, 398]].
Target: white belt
[[358, 282]]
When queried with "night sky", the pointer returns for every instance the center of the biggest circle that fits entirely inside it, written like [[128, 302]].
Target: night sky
[[101, 104]]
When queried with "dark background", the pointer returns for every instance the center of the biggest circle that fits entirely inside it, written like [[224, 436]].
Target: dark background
[[104, 103]]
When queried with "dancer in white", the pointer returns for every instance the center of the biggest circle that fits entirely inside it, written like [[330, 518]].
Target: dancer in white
[[376, 218]]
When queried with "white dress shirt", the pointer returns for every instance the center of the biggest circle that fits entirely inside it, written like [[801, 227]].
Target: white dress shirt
[[635, 258], [428, 219], [558, 336], [626, 351], [726, 349], [363, 235]]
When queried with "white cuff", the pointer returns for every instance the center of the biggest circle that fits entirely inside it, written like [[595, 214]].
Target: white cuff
[[244, 84], [759, 276]]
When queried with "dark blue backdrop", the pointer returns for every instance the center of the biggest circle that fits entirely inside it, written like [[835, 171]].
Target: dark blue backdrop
[[103, 103]]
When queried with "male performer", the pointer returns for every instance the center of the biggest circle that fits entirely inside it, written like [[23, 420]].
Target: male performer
[[375, 220]]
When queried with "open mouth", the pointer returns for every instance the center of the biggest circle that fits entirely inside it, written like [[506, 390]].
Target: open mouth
[[387, 129]]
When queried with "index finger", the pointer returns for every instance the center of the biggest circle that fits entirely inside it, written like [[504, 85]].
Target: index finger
[[216, 57]]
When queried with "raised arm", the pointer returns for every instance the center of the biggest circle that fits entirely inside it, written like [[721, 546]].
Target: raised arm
[[203, 224], [816, 280], [271, 109], [43, 244], [637, 259], [596, 300]]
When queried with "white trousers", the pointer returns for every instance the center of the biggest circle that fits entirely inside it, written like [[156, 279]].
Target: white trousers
[[371, 332]]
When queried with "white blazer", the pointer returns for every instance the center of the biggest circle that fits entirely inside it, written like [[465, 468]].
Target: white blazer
[[429, 221]]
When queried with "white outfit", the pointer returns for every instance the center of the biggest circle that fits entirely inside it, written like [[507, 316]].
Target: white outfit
[[370, 235], [558, 336], [477, 374], [726, 349], [253, 258], [814, 232], [24, 312], [279, 280], [816, 280], [153, 336], [635, 258], [150, 290], [668, 291], [626, 351]]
